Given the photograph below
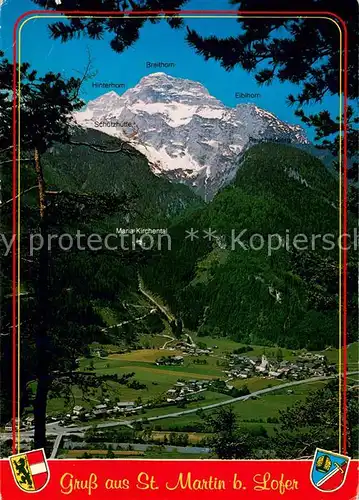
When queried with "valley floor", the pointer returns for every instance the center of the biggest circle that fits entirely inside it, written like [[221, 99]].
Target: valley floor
[[171, 422]]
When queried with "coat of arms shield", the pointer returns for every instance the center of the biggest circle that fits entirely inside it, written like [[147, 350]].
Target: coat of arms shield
[[329, 470], [30, 470]]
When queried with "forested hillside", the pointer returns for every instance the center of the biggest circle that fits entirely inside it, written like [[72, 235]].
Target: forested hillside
[[153, 200], [288, 298]]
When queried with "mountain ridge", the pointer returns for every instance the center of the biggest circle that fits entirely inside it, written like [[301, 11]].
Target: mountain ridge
[[186, 134]]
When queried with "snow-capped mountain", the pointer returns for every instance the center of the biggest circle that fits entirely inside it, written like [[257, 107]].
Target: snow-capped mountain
[[186, 134]]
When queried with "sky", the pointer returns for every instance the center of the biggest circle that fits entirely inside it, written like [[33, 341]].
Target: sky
[[156, 43]]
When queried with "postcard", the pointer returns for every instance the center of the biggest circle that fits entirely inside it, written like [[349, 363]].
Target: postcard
[[179, 249]]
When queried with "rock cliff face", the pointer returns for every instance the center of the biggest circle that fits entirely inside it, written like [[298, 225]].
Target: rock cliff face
[[187, 135]]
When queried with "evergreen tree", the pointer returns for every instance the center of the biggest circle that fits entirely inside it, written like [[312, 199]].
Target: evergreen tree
[[56, 310], [46, 105], [124, 29], [227, 442], [298, 50], [302, 428], [314, 423]]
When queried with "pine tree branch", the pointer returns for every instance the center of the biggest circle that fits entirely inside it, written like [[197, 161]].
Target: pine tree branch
[[54, 193], [10, 161], [87, 74], [6, 149], [17, 196], [98, 148]]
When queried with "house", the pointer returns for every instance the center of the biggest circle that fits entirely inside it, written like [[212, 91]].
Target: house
[[98, 413], [178, 359], [77, 410], [320, 357], [29, 420], [126, 405], [264, 363], [284, 363], [99, 410], [8, 427], [100, 407]]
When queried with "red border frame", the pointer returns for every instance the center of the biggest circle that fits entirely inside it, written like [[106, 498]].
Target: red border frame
[[345, 177]]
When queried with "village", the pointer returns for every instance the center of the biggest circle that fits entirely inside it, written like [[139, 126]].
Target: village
[[81, 414], [306, 366], [236, 366]]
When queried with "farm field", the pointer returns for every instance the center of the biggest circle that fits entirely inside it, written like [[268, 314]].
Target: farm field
[[145, 360], [256, 383], [270, 404], [104, 453], [253, 412], [159, 379], [210, 398], [174, 425], [154, 341], [226, 345], [352, 356], [193, 437]]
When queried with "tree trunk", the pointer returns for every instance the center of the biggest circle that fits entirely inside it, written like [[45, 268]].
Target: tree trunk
[[41, 334], [41, 184]]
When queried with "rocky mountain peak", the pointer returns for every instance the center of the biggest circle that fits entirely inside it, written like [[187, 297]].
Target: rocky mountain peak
[[186, 133]]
